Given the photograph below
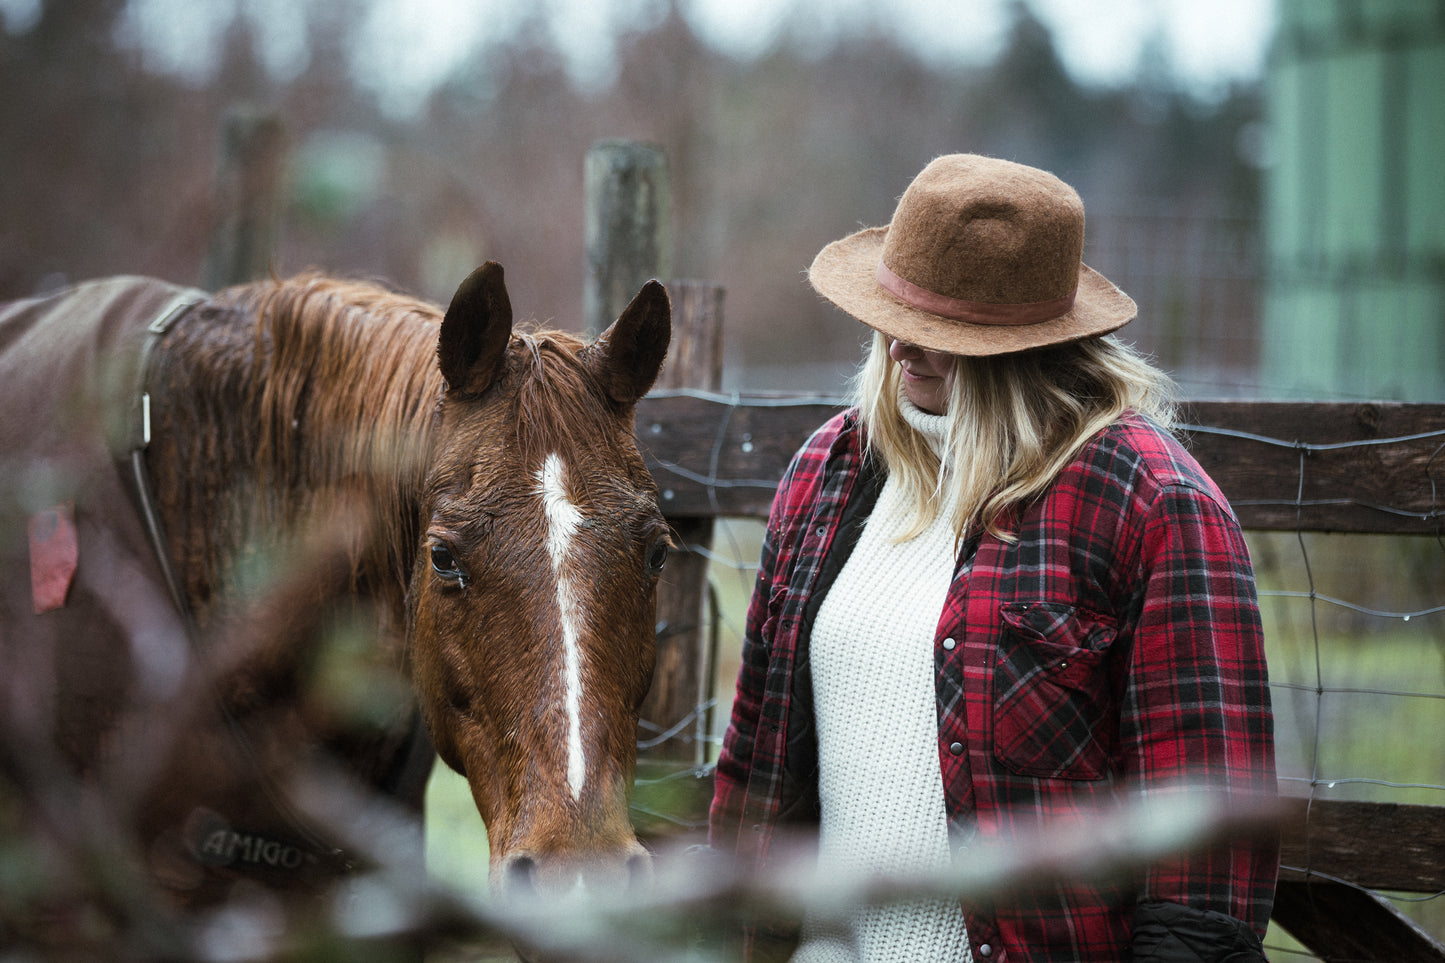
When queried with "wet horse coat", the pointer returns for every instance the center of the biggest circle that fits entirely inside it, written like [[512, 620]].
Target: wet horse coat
[[480, 542]]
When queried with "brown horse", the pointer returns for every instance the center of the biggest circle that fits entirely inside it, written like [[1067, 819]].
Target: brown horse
[[352, 487]]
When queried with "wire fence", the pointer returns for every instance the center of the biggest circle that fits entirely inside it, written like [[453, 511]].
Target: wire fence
[[1355, 634], [1355, 629]]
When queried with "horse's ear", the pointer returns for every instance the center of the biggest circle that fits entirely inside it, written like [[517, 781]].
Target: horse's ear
[[627, 356], [472, 346]]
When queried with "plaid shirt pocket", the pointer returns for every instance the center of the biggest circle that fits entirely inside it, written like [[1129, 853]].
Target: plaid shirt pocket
[[1051, 691]]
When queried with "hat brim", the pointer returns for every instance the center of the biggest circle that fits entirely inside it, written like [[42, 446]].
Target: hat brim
[[846, 273]]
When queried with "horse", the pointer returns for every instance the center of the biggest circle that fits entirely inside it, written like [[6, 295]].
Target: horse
[[351, 528]]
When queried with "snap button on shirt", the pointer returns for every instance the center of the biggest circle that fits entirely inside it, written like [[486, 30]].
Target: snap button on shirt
[[985, 950], [955, 748], [949, 644]]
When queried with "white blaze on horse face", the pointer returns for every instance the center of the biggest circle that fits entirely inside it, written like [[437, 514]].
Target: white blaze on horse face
[[563, 520]]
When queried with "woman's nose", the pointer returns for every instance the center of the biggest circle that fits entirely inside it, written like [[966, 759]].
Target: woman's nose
[[899, 350]]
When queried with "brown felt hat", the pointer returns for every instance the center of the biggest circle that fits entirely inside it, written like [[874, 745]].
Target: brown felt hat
[[983, 256]]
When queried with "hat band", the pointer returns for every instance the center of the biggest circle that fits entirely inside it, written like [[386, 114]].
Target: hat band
[[975, 312]]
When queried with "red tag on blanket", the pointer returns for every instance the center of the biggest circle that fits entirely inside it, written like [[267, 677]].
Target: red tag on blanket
[[54, 551]]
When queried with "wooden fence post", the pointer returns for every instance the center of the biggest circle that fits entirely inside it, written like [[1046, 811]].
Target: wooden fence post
[[249, 186], [694, 361], [628, 243], [628, 227]]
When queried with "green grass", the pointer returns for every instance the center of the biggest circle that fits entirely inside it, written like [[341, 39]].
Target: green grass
[[456, 840]]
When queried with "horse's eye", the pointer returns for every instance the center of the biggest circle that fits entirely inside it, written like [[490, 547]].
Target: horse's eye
[[445, 564], [656, 556]]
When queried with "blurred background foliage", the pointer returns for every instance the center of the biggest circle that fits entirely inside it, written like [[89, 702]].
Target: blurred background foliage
[[415, 170]]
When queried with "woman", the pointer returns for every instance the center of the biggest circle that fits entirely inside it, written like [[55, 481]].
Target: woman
[[997, 594]]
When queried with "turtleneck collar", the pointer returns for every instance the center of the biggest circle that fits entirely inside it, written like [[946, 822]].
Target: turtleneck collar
[[934, 428]]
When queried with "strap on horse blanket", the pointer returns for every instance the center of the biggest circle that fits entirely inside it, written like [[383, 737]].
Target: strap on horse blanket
[[182, 302]]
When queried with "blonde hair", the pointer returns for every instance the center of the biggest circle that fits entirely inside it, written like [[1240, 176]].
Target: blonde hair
[[1014, 421]]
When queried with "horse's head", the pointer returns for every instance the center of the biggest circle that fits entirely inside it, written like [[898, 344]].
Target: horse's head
[[531, 607]]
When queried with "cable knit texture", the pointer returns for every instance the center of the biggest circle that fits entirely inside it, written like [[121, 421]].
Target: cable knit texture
[[879, 779]]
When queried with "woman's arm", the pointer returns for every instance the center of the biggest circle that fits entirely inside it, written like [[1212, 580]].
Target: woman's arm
[[1196, 717]]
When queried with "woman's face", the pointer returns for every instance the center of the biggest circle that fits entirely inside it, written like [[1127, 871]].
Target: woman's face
[[927, 375]]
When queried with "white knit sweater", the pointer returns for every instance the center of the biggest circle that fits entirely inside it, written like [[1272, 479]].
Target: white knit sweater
[[873, 690]]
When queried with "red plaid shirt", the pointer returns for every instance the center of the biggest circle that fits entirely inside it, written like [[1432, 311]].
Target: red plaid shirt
[[1114, 648]]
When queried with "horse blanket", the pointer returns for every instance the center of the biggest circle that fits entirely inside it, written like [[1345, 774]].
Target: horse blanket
[[84, 605], [95, 646]]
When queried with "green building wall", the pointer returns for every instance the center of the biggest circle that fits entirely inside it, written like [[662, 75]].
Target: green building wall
[[1354, 206]]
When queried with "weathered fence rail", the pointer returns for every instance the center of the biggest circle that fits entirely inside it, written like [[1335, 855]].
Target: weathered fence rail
[[1283, 465]]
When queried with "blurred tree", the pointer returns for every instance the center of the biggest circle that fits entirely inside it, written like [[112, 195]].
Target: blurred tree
[[1028, 106], [108, 166], [98, 153]]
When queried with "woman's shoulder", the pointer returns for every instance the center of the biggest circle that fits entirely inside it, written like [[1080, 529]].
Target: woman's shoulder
[[843, 424], [839, 434], [1138, 452], [836, 444]]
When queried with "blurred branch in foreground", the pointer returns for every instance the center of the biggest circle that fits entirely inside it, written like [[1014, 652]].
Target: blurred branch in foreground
[[697, 898]]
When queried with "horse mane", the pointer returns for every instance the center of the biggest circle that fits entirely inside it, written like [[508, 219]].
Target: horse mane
[[344, 389], [336, 398]]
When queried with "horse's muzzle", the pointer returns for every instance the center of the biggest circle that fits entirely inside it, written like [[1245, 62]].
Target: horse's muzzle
[[528, 874]]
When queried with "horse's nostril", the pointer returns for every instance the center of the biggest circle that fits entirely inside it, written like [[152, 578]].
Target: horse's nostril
[[639, 869], [519, 875]]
